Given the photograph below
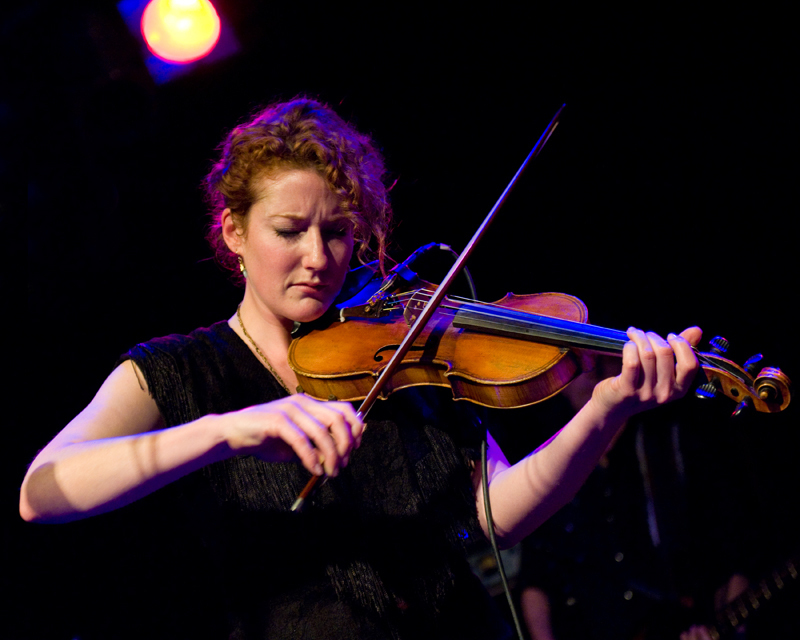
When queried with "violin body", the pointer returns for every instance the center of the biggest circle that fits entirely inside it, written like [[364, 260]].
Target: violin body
[[515, 352], [344, 359]]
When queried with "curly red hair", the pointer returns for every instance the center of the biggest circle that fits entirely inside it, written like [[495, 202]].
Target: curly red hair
[[300, 134]]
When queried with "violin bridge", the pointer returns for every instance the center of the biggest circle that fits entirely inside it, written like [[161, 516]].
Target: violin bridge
[[413, 308], [380, 303]]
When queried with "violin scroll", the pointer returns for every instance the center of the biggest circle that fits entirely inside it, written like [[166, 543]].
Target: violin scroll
[[768, 392], [773, 386]]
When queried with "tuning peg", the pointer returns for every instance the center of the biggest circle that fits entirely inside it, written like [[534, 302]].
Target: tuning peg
[[719, 345], [707, 391], [753, 363], [745, 406]]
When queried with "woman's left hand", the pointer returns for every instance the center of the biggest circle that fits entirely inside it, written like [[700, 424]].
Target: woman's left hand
[[654, 372]]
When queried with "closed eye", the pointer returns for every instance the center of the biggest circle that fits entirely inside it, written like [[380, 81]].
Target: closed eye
[[339, 228], [340, 232]]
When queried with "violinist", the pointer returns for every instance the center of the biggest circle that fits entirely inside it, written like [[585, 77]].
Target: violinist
[[295, 193]]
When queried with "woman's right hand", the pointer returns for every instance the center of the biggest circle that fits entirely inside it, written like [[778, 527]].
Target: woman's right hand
[[322, 435], [117, 449]]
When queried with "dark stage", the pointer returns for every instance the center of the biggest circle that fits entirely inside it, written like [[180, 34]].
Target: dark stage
[[664, 199]]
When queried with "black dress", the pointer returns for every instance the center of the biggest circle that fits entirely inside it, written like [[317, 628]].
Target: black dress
[[379, 553]]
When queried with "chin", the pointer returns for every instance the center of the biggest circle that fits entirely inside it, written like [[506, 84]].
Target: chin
[[311, 312]]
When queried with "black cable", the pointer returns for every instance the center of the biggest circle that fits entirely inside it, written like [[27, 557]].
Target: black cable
[[465, 271], [484, 448], [444, 247]]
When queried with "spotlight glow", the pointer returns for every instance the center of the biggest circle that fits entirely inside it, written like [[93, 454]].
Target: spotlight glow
[[180, 31]]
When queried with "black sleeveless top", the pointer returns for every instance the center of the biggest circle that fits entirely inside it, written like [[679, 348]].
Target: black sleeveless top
[[378, 553]]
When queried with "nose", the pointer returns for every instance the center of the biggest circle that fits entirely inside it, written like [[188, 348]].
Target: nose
[[315, 251]]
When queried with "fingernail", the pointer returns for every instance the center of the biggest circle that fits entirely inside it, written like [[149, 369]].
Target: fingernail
[[318, 469], [671, 336]]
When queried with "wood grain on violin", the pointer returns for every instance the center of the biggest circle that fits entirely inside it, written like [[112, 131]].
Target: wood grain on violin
[[515, 352], [497, 371]]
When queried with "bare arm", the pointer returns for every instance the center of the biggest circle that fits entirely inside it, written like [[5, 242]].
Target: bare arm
[[526, 494], [536, 612], [117, 451]]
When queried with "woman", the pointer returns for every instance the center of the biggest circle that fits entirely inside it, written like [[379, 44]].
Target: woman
[[380, 552]]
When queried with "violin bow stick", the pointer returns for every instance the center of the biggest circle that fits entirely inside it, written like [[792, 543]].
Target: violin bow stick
[[434, 302]]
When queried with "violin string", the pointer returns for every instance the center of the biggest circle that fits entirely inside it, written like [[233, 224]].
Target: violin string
[[399, 307], [398, 302], [454, 309], [478, 309], [425, 296]]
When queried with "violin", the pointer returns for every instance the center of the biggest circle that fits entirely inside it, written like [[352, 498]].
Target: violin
[[514, 352]]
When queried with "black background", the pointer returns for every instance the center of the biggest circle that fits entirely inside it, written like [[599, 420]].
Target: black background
[[666, 197]]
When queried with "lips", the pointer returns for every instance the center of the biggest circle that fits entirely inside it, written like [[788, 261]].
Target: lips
[[311, 288]]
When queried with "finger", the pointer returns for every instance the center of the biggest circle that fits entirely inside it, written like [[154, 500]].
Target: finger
[[346, 425], [301, 414], [342, 435], [335, 418], [686, 366], [692, 335], [352, 418], [630, 376], [647, 359], [296, 439], [343, 424], [665, 367]]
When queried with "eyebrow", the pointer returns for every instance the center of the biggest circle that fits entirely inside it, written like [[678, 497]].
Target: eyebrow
[[299, 216]]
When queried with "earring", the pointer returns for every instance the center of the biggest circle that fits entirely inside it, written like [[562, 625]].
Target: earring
[[242, 267]]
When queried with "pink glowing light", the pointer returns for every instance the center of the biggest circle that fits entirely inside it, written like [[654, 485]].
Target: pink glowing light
[[180, 31]]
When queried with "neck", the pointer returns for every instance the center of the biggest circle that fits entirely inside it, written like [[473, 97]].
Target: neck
[[268, 331], [269, 341]]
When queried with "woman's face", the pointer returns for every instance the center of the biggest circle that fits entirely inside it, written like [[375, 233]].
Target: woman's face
[[296, 247]]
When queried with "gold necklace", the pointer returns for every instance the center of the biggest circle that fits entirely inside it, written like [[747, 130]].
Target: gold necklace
[[258, 351]]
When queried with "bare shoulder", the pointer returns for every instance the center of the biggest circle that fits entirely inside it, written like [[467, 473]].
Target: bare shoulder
[[122, 406]]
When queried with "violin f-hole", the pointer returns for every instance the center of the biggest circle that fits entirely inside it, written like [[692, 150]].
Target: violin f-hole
[[393, 347]]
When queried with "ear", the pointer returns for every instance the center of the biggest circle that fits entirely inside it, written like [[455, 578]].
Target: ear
[[232, 235]]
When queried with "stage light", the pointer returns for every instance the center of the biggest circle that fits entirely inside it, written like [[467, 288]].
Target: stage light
[[180, 31]]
